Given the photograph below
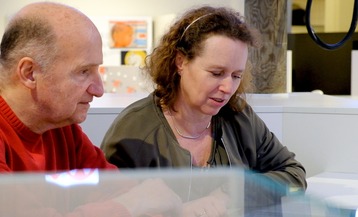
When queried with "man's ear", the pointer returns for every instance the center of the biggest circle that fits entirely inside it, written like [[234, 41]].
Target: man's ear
[[26, 70]]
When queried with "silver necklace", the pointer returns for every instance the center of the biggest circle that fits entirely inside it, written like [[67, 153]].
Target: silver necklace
[[185, 136]]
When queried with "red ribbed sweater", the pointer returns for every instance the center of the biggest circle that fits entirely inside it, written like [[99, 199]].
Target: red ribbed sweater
[[62, 149]]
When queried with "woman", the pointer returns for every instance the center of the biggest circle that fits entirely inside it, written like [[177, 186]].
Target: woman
[[197, 115]]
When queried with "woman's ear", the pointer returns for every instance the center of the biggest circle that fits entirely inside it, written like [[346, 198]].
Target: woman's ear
[[26, 70], [179, 60]]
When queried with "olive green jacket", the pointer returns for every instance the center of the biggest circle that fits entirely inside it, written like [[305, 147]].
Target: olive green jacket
[[141, 137]]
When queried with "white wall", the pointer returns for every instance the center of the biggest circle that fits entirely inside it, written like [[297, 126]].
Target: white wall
[[120, 7]]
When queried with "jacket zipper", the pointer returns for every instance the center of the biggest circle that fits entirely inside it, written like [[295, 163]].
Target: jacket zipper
[[227, 153]]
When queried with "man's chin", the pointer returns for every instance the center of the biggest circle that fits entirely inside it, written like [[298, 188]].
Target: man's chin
[[79, 118]]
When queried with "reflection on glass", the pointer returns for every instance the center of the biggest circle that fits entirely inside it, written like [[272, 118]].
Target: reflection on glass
[[74, 177], [87, 192]]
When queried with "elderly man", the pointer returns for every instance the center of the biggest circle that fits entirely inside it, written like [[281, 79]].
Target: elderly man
[[50, 54]]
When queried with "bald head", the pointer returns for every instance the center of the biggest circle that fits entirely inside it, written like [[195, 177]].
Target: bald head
[[59, 16], [47, 9], [37, 31]]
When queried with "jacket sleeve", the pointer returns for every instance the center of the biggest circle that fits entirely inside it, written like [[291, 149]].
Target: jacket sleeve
[[267, 155], [125, 144]]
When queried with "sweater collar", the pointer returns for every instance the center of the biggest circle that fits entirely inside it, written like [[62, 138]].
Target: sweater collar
[[21, 129]]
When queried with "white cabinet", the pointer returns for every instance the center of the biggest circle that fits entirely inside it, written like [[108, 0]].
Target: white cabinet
[[320, 129]]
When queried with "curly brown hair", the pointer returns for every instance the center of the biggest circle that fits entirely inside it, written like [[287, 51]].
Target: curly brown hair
[[186, 35]]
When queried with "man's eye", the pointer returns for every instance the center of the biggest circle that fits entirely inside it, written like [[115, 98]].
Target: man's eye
[[216, 73]]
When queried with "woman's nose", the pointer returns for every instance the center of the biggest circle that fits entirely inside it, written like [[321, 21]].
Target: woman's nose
[[227, 85]]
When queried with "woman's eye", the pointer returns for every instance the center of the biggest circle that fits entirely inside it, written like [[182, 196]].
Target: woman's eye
[[237, 76]]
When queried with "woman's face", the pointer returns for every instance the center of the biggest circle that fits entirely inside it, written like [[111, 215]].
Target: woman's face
[[211, 78]]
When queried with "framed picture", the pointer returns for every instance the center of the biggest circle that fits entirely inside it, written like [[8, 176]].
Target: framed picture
[[126, 40]]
